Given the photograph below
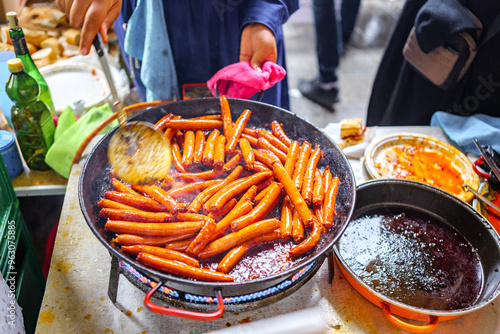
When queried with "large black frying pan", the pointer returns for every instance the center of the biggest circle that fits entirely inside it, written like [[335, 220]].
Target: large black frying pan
[[94, 182]]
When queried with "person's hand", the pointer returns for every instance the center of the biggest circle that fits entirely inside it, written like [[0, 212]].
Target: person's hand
[[258, 45], [90, 16]]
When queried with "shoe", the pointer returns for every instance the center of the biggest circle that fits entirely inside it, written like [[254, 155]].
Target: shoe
[[324, 97]]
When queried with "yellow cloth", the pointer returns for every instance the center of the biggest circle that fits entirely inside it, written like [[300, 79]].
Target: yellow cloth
[[61, 154]]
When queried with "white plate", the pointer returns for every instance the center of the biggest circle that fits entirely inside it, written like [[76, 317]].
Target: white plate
[[383, 159], [71, 82]]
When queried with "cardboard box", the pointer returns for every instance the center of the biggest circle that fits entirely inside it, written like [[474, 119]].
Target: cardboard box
[[9, 6]]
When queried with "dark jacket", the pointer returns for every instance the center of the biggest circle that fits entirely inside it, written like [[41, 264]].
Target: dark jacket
[[401, 96]]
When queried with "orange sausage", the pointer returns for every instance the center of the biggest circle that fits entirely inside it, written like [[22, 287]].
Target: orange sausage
[[327, 178], [266, 157], [291, 157], [261, 210], [202, 238], [242, 207], [329, 211], [232, 239], [176, 156], [279, 133], [153, 229], [219, 155], [251, 132], [232, 163], [297, 227], [162, 123], [318, 189], [298, 202], [273, 140], [107, 203], [188, 216], [168, 182], [301, 164], [169, 132], [183, 270], [236, 254], [227, 120], [247, 152], [136, 201], [192, 189], [203, 196], [136, 215], [261, 194], [199, 147], [208, 153], [286, 219], [265, 144], [188, 150], [259, 167], [254, 141], [310, 242], [134, 239], [236, 131], [234, 188], [308, 182], [211, 173], [122, 187], [224, 211], [159, 195], [180, 245], [162, 252], [194, 124]]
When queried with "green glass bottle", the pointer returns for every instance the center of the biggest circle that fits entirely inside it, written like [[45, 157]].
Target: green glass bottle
[[21, 49], [31, 118]]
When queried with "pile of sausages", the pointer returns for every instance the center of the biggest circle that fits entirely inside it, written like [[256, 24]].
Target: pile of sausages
[[227, 180]]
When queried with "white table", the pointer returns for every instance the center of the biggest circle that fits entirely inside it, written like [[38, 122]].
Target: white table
[[76, 298]]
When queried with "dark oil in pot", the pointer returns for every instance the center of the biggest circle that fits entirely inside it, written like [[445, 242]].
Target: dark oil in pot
[[413, 258]]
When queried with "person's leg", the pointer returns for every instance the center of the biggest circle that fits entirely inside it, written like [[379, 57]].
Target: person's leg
[[348, 13], [324, 89], [328, 45]]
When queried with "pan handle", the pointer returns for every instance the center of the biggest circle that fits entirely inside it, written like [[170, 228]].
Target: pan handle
[[480, 172], [407, 326], [183, 313]]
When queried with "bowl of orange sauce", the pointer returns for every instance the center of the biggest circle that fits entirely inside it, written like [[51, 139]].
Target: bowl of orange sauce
[[421, 158]]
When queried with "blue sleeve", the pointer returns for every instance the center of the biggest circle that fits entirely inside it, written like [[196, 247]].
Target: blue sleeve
[[271, 13]]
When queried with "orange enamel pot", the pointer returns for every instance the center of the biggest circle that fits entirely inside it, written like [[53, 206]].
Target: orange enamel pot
[[411, 195]]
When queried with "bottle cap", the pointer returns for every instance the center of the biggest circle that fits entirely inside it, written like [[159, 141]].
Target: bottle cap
[[15, 65], [13, 21]]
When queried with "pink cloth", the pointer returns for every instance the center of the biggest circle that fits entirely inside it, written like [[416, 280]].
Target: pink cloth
[[240, 80]]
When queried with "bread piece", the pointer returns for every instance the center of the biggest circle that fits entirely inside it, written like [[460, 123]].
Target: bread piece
[[31, 48], [351, 127], [72, 36], [6, 47], [35, 37], [44, 57], [5, 35], [54, 44]]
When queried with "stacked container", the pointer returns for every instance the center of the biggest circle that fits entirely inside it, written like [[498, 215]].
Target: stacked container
[[19, 264]]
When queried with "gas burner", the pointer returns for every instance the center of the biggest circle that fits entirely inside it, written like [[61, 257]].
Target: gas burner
[[184, 300]]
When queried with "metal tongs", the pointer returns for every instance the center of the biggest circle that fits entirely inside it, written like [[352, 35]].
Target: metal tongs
[[488, 162]]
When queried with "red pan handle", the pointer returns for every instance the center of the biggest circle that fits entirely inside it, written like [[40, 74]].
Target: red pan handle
[[183, 313], [407, 326], [480, 172]]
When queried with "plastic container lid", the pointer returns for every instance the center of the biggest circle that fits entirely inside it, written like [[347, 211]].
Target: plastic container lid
[[10, 154]]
